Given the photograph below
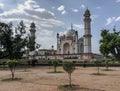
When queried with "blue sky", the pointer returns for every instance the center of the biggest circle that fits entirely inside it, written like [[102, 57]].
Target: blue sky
[[55, 16]]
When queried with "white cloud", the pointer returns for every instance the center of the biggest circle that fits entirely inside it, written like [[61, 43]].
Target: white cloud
[[75, 10], [31, 11], [62, 9], [46, 38], [118, 18], [112, 19], [63, 12], [78, 26], [117, 1], [53, 7], [82, 6], [63, 33], [1, 5], [98, 7], [45, 32], [94, 17]]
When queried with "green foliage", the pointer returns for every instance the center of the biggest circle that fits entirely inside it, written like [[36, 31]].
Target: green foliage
[[84, 64], [12, 65], [55, 63], [69, 67], [110, 43], [12, 42], [108, 60]]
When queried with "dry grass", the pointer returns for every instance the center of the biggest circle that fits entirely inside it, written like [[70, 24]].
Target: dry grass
[[37, 79]]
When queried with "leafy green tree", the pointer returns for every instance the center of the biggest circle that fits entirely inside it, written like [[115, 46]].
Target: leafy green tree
[[55, 63], [69, 67], [110, 43], [12, 65], [12, 43]]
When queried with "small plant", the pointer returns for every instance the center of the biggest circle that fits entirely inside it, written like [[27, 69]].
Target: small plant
[[49, 63], [12, 65], [97, 62], [34, 61], [4, 63], [29, 62], [69, 67], [55, 64], [84, 64], [107, 61]]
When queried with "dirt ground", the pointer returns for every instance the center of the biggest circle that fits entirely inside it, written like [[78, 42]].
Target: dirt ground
[[38, 79]]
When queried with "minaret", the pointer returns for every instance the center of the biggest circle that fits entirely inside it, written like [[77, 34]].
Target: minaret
[[87, 34], [32, 34], [58, 44], [32, 29]]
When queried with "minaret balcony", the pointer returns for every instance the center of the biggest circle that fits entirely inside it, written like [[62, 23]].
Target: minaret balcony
[[87, 35]]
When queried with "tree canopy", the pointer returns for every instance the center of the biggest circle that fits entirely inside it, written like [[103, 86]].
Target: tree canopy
[[13, 40], [110, 43]]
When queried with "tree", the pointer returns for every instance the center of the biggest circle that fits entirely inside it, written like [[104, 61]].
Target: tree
[[69, 67], [12, 42], [55, 64], [97, 62], [107, 62], [110, 43], [12, 65]]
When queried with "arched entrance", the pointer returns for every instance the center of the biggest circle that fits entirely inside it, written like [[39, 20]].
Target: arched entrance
[[66, 48]]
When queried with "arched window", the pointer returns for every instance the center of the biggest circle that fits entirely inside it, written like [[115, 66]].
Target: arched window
[[66, 48]]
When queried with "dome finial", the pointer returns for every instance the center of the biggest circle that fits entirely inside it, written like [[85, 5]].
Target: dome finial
[[71, 26]]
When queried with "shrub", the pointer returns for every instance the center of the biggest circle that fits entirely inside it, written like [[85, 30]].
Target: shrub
[[97, 62], [55, 64], [69, 67], [12, 65]]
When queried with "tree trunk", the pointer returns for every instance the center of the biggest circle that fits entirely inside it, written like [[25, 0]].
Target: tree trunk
[[107, 66], [12, 75], [54, 69], [69, 79], [98, 70]]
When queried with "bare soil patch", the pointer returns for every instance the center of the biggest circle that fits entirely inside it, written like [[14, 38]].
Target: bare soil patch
[[38, 79]]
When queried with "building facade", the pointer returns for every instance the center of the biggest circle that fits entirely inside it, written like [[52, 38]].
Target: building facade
[[69, 43], [70, 47]]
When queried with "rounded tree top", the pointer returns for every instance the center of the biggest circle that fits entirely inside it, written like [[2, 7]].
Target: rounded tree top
[[87, 12]]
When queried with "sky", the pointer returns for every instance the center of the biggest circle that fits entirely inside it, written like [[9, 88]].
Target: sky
[[55, 16]]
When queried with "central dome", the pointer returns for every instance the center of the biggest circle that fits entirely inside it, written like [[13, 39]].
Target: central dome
[[70, 32]]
